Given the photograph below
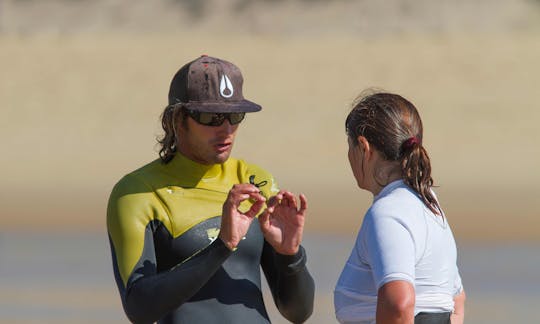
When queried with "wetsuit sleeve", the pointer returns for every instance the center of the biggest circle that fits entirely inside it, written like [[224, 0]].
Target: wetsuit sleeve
[[146, 294], [291, 283], [153, 295]]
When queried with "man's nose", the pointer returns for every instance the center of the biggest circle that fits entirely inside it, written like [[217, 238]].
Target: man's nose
[[226, 127]]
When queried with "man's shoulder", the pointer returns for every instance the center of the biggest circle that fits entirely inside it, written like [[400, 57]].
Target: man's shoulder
[[250, 167], [148, 169], [255, 174], [140, 177]]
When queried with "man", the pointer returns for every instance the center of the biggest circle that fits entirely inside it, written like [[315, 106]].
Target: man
[[190, 231]]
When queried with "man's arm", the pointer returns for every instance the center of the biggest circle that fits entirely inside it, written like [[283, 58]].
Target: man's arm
[[133, 215], [146, 295], [284, 259], [292, 286]]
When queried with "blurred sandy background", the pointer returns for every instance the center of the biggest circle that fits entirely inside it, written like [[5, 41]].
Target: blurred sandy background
[[82, 85]]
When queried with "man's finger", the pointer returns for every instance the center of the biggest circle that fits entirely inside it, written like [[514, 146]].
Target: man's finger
[[243, 188], [255, 208], [264, 219], [275, 200], [303, 204], [291, 200], [243, 191], [236, 199]]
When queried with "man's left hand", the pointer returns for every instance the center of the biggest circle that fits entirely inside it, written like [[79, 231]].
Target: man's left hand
[[282, 223]]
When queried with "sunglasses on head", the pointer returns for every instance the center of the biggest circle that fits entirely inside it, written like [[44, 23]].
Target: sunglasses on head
[[215, 119]]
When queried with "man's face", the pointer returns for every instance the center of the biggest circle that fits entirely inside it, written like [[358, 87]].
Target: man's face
[[205, 144]]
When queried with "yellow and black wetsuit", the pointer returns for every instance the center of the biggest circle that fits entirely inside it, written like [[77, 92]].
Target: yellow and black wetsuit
[[163, 222]]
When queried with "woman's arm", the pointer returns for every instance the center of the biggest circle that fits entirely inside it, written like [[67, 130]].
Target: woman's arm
[[395, 302], [458, 315]]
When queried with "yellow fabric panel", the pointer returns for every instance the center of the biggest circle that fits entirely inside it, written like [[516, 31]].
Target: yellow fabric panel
[[131, 207], [270, 188], [180, 194], [189, 207]]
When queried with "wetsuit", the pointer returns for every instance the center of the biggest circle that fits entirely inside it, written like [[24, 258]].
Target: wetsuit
[[163, 222]]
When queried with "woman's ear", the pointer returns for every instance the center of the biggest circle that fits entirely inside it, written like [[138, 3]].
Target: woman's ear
[[363, 145]]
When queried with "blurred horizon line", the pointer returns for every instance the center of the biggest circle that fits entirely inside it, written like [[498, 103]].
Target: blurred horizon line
[[266, 17]]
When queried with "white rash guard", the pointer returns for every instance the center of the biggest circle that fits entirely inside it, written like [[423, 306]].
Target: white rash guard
[[400, 239]]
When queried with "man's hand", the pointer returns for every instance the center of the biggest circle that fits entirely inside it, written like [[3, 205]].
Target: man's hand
[[235, 224], [282, 223]]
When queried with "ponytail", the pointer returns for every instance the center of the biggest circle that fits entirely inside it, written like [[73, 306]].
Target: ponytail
[[416, 172], [393, 126]]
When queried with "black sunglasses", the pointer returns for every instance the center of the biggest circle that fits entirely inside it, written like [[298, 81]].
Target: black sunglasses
[[215, 119]]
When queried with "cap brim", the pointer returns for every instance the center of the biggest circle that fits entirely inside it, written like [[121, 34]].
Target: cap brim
[[223, 107]]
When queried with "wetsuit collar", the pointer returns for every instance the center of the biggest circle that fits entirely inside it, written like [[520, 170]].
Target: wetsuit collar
[[196, 170]]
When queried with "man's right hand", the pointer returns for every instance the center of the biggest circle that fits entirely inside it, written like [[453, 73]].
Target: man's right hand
[[234, 223]]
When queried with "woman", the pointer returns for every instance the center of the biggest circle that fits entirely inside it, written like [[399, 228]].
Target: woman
[[403, 265]]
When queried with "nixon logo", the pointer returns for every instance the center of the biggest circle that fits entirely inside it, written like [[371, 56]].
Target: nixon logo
[[225, 87]]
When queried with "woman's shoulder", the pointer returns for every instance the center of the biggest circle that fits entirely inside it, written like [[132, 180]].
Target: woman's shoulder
[[396, 196], [400, 204]]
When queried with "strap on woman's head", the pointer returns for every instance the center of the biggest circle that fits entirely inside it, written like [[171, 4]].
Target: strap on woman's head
[[410, 143]]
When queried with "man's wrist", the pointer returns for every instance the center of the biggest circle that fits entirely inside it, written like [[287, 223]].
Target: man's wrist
[[291, 263], [232, 247]]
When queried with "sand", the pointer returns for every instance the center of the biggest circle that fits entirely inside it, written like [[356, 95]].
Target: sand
[[80, 102], [79, 112]]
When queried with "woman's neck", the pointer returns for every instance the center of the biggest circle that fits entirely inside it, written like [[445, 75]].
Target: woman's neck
[[384, 172]]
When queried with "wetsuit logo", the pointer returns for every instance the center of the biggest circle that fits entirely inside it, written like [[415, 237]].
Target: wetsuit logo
[[226, 89], [212, 234], [258, 185]]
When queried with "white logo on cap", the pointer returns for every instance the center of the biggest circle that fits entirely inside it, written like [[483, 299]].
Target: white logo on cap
[[225, 87]]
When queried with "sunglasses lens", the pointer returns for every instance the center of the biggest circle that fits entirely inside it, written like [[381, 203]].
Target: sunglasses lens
[[210, 119], [216, 119], [236, 118]]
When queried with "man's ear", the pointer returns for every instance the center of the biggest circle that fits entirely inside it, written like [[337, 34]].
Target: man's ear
[[181, 123]]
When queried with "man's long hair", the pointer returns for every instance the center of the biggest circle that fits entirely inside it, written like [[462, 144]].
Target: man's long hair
[[169, 120]]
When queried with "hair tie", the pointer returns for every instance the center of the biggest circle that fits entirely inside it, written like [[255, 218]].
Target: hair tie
[[410, 143]]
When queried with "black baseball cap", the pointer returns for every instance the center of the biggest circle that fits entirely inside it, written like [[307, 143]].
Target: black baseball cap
[[209, 84]]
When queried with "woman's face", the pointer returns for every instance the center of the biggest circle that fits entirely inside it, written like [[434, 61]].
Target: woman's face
[[356, 161]]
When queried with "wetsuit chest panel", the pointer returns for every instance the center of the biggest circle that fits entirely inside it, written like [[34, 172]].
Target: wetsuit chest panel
[[195, 219], [237, 282], [189, 207], [172, 251]]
